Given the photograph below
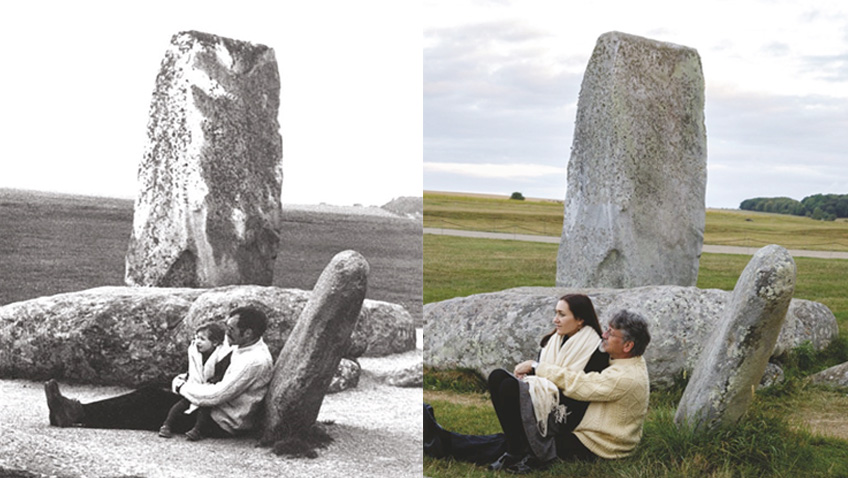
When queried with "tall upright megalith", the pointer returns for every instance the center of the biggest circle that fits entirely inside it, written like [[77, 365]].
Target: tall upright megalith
[[208, 207], [634, 207]]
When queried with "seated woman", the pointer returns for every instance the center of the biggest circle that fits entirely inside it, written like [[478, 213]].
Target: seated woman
[[532, 411]]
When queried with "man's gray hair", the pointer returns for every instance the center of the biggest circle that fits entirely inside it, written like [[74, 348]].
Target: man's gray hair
[[634, 328]]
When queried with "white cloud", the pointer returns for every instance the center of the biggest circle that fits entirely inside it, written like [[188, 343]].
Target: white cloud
[[501, 83]]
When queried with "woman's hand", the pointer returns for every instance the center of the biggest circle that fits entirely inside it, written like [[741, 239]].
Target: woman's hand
[[524, 368]]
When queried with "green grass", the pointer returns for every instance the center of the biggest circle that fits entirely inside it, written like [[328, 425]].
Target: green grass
[[766, 442], [723, 227], [762, 444], [459, 266], [784, 432], [484, 265]]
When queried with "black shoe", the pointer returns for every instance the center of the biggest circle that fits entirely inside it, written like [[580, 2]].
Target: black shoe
[[522, 466], [529, 464], [433, 444], [506, 460], [64, 412]]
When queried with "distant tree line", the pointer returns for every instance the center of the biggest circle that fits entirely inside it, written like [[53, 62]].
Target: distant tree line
[[824, 207]]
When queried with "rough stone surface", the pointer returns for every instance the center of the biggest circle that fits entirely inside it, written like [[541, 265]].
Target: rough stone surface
[[116, 335], [735, 356], [500, 329], [634, 205], [773, 375], [412, 376], [836, 376], [346, 376], [133, 335], [208, 207], [305, 367]]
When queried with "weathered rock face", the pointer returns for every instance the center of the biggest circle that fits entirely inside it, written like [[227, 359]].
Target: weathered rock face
[[305, 366], [410, 377], [500, 329], [114, 335], [345, 377], [134, 335], [634, 206], [836, 376], [207, 211], [736, 354]]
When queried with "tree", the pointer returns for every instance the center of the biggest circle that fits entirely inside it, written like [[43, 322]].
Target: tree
[[518, 196]]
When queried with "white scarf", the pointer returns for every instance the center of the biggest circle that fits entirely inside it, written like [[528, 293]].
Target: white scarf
[[574, 355]]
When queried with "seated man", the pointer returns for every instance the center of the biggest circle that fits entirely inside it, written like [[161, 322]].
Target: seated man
[[612, 424], [617, 396], [234, 401]]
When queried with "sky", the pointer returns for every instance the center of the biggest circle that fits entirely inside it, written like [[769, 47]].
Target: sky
[[502, 78], [78, 77]]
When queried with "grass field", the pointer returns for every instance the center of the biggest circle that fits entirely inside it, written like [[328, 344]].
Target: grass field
[[53, 243], [723, 227], [794, 429]]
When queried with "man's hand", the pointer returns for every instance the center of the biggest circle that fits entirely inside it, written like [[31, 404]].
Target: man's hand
[[178, 383], [524, 368]]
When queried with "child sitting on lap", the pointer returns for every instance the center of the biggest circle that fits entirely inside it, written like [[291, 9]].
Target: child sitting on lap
[[208, 358]]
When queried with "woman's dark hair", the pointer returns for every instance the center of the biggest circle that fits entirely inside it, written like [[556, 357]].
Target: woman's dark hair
[[634, 328], [214, 331], [250, 317], [581, 307]]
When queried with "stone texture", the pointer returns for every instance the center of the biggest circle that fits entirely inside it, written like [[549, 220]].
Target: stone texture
[[345, 377], [115, 335], [836, 376], [305, 367], [634, 205], [488, 331], [773, 375], [208, 207], [410, 377], [133, 335], [735, 356], [384, 330]]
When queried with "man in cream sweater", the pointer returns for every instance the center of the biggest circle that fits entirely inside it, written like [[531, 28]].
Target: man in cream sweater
[[612, 425]]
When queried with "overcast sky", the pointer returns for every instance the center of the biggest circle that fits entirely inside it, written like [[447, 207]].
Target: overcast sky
[[501, 81], [77, 79]]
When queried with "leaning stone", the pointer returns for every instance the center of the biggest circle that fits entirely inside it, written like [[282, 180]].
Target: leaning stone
[[312, 353], [836, 376], [735, 357], [208, 207], [634, 206], [499, 329]]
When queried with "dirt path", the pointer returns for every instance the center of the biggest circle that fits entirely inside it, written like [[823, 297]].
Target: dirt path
[[376, 429]]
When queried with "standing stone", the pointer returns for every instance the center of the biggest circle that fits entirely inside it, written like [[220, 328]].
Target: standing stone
[[634, 206], [208, 207], [305, 366], [736, 354]]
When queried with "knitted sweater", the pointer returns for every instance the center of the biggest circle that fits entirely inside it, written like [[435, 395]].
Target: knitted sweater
[[612, 426], [236, 398]]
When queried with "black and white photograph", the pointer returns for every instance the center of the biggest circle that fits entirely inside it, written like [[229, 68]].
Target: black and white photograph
[[211, 239]]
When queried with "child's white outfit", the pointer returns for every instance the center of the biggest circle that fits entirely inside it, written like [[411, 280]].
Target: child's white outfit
[[199, 372]]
